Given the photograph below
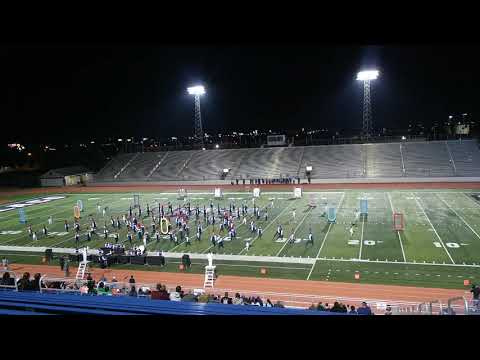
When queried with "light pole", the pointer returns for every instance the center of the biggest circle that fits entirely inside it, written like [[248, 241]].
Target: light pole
[[367, 76], [197, 91]]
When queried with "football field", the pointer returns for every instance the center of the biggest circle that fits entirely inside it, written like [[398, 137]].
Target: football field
[[439, 246]]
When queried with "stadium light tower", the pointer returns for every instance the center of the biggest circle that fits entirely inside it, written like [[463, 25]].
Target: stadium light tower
[[197, 91], [367, 76]]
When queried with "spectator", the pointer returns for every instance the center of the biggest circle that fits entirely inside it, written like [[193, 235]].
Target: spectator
[[279, 304], [225, 299], [475, 295], [101, 288], [312, 307], [176, 295], [133, 291], [132, 280], [203, 298], [189, 297], [62, 262], [268, 303], [24, 283], [237, 300], [6, 279], [320, 307], [35, 283], [388, 310], [352, 310], [164, 295], [364, 309], [114, 279]]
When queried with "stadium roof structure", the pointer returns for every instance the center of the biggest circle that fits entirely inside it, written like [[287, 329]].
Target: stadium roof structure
[[65, 171]]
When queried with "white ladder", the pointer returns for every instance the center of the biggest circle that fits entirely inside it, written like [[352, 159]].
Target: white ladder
[[209, 276], [82, 269]]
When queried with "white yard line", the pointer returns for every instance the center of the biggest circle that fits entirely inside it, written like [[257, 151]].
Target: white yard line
[[398, 232], [325, 238], [273, 221], [294, 231], [436, 233], [461, 218]]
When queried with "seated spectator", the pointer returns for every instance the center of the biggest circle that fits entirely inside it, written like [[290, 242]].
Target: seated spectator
[[24, 283], [364, 309], [189, 297], [225, 299], [176, 295], [101, 288], [279, 304], [237, 300], [5, 279], [312, 307], [352, 310], [35, 283], [203, 298], [388, 310], [320, 307], [268, 303], [133, 291]]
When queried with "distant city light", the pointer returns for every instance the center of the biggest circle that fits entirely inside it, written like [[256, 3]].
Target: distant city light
[[129, 140], [450, 116], [216, 146], [464, 114], [203, 148], [29, 154], [145, 139], [367, 75], [404, 138], [120, 140], [92, 142], [196, 90]]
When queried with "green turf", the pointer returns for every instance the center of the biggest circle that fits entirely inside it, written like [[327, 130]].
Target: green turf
[[441, 226]]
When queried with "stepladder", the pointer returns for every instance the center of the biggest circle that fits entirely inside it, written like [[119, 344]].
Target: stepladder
[[82, 269], [209, 277]]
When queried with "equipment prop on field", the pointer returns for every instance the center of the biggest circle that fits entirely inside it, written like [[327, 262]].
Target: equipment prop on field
[[76, 212], [80, 205], [164, 223], [136, 201], [218, 193], [331, 214], [297, 193], [312, 201], [22, 216], [182, 194], [398, 223], [256, 192], [363, 206]]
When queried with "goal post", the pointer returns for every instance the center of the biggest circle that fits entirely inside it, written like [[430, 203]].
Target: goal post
[[398, 222]]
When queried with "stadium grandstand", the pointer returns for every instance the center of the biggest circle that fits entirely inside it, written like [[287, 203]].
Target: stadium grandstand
[[433, 159]]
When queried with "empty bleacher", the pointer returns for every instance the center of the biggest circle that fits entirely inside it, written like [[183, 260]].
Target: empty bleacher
[[113, 167], [333, 161], [384, 160], [427, 159], [466, 157]]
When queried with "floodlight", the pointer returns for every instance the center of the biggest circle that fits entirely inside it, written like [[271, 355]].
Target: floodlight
[[308, 168], [225, 171], [367, 75], [196, 90]]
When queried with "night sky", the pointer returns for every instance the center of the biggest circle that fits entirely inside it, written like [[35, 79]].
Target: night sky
[[82, 92]]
